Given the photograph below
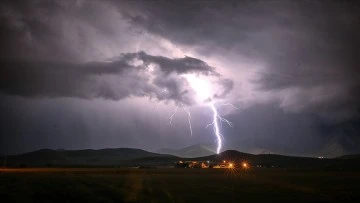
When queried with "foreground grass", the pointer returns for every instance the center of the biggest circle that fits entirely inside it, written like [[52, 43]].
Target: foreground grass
[[177, 185]]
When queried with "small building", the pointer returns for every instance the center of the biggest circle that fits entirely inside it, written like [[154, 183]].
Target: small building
[[192, 164]]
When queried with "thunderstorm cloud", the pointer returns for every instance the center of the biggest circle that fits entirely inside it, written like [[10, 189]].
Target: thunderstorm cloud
[[131, 74], [91, 74]]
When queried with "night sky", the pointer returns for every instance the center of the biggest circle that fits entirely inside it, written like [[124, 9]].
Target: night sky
[[107, 74]]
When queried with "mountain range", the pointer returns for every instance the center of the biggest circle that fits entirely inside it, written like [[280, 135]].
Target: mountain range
[[86, 157], [340, 145], [126, 157]]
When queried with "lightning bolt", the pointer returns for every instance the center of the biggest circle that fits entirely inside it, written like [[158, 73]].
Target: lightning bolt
[[189, 118], [230, 104], [216, 119], [173, 114], [186, 111]]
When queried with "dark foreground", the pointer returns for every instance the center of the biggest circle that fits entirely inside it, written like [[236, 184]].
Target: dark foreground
[[177, 185]]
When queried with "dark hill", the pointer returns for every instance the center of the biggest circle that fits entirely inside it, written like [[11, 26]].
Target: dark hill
[[47, 157], [138, 157], [350, 156], [281, 161], [226, 155]]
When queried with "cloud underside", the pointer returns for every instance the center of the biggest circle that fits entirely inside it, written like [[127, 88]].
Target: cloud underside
[[308, 50], [131, 74]]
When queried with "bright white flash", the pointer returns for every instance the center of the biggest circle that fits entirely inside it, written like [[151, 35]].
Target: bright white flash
[[201, 87]]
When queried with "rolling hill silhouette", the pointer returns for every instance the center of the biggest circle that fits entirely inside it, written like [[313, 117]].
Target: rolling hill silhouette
[[137, 157], [80, 157]]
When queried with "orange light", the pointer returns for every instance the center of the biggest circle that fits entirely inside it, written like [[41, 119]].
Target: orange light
[[224, 161], [245, 165], [231, 165]]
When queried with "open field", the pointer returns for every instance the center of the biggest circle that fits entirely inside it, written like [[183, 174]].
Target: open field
[[176, 185]]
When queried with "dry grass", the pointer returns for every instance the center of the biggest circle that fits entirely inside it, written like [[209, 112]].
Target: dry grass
[[176, 185]]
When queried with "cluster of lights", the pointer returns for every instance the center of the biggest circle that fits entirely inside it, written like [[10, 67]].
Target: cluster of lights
[[231, 165]]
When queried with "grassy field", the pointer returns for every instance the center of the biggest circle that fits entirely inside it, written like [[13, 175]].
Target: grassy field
[[177, 185]]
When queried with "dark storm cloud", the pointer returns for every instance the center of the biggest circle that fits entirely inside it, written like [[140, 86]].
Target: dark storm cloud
[[46, 43], [306, 45], [308, 49], [180, 65], [132, 74], [27, 33], [306, 52]]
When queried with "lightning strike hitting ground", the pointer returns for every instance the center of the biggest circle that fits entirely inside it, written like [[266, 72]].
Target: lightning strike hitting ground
[[203, 92], [215, 123], [216, 127]]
